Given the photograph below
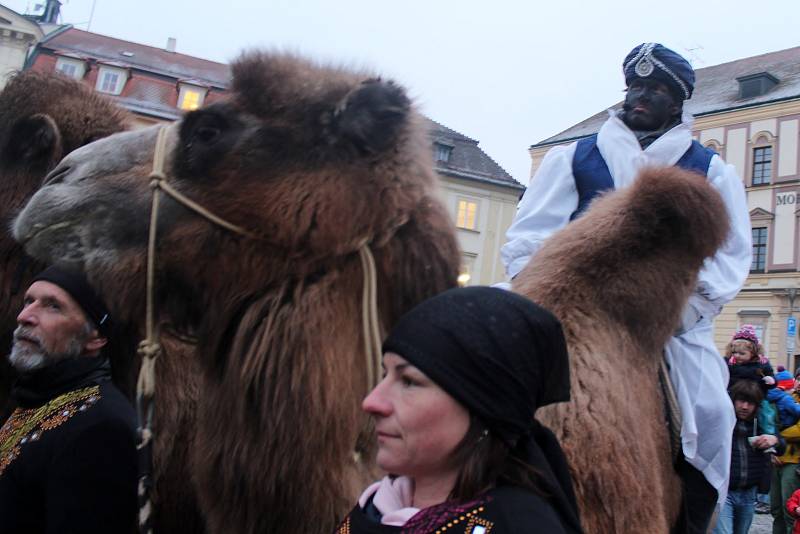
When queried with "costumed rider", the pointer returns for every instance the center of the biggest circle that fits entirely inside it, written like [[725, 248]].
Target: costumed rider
[[68, 452], [652, 129]]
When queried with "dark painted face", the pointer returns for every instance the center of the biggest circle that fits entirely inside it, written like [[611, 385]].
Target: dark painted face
[[649, 105]]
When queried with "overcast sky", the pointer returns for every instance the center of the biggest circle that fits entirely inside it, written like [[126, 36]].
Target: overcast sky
[[508, 73]]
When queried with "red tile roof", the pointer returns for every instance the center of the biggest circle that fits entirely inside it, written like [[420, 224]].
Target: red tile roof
[[148, 58]]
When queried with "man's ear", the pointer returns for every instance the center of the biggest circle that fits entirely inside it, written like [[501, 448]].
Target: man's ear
[[34, 142], [95, 342], [677, 107]]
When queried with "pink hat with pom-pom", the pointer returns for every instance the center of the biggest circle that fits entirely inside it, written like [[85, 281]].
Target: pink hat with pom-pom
[[747, 332]]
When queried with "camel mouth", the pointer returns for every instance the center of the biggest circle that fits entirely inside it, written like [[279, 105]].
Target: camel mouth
[[56, 243], [41, 228]]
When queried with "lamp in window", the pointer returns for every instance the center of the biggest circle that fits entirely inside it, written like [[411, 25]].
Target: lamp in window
[[466, 214], [190, 96]]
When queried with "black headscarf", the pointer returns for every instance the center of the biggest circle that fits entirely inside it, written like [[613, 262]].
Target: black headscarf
[[502, 357]]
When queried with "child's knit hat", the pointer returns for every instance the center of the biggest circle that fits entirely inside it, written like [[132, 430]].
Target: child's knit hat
[[747, 332], [784, 380]]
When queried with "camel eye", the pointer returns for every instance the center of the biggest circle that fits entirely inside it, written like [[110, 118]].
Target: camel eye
[[207, 134]]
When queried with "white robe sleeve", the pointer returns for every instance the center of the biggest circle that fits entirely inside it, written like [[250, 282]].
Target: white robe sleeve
[[724, 274], [545, 208]]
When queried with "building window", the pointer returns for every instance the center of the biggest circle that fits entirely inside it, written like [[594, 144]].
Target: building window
[[74, 68], [759, 250], [756, 84], [442, 152], [762, 165], [465, 273], [110, 80], [466, 214], [191, 97]]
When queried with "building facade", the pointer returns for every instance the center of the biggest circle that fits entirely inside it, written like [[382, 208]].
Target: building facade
[[159, 85], [482, 199], [18, 35], [749, 112]]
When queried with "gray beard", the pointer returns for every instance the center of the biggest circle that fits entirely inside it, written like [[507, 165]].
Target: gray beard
[[26, 357]]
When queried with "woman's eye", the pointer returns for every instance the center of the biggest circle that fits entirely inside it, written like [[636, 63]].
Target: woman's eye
[[408, 382]]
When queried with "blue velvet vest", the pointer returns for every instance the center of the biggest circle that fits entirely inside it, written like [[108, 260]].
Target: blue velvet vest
[[592, 176]]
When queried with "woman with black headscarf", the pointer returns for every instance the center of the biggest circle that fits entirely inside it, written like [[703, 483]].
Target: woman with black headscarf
[[454, 417]]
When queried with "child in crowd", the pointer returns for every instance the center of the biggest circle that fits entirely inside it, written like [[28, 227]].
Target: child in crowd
[[746, 361], [788, 408], [793, 507]]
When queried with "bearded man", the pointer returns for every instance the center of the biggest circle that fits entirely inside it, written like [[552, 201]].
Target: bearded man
[[68, 452], [653, 130]]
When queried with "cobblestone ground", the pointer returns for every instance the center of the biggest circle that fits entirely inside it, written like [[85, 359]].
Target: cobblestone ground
[[762, 524]]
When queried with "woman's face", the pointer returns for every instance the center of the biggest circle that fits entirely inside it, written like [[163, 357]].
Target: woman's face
[[742, 352], [417, 423]]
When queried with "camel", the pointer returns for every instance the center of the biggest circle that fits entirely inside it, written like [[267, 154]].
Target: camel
[[318, 162], [43, 117], [618, 279]]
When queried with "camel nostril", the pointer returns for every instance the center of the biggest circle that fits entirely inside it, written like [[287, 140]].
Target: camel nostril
[[56, 175]]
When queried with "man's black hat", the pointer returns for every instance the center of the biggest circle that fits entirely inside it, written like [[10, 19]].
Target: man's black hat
[[75, 283]]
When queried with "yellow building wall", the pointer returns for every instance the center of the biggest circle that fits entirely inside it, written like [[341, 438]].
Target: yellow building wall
[[480, 247]]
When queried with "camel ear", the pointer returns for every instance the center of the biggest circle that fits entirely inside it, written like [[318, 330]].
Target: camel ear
[[372, 115], [34, 142]]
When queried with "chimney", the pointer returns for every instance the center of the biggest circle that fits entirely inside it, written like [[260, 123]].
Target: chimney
[[171, 42]]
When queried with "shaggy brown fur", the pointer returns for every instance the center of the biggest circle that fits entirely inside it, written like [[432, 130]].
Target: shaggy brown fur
[[42, 118], [617, 279], [318, 161]]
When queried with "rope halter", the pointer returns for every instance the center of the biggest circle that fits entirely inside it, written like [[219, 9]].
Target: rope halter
[[150, 349]]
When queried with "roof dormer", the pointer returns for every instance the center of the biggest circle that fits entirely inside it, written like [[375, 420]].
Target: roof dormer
[[757, 84]]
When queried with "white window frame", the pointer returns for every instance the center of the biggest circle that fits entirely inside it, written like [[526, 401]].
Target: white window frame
[[442, 152], [185, 88], [122, 78], [78, 67]]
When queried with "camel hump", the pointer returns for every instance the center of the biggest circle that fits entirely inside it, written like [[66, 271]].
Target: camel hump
[[634, 256], [669, 207]]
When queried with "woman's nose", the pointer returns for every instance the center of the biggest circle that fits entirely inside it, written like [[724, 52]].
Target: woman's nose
[[376, 402]]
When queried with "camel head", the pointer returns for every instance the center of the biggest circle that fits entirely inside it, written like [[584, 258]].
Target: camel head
[[44, 116], [299, 154]]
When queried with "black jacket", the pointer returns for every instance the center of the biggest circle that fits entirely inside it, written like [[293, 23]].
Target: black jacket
[[500, 511], [68, 458], [748, 465]]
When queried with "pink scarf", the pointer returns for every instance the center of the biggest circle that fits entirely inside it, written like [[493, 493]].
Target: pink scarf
[[393, 499]]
